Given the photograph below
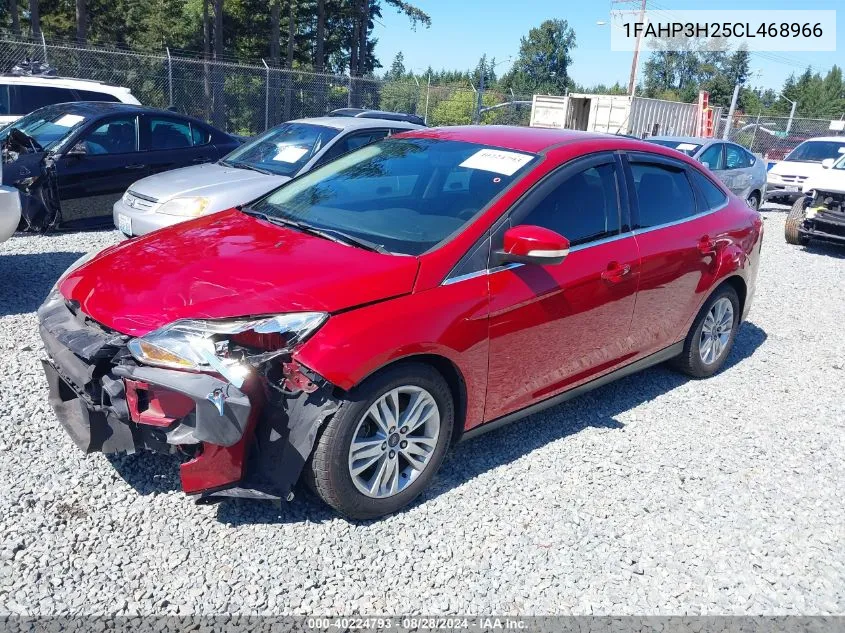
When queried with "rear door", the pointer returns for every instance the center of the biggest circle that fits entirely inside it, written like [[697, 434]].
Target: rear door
[[677, 248], [172, 142], [91, 182], [739, 169], [554, 327]]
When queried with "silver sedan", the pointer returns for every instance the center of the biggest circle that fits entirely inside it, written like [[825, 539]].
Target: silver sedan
[[252, 170], [740, 170]]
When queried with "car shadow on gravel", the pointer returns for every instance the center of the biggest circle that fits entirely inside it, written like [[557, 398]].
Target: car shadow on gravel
[[836, 251], [597, 409], [27, 278]]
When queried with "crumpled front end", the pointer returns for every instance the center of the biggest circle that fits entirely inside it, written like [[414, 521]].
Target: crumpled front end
[[824, 217], [247, 441]]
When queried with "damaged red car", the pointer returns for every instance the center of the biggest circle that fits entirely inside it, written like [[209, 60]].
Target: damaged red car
[[352, 325]]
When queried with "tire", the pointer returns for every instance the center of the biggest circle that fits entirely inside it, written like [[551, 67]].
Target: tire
[[329, 471], [753, 201], [692, 361], [793, 223]]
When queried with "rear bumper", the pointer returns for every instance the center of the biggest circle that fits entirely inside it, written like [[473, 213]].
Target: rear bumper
[[142, 221]]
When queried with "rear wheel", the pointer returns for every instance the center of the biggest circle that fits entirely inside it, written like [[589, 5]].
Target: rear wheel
[[712, 335], [793, 222], [385, 443], [753, 201]]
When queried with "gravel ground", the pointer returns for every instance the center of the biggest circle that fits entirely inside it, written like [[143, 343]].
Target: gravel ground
[[655, 494]]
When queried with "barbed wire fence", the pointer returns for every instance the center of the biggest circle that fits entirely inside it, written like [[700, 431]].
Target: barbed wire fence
[[249, 98]]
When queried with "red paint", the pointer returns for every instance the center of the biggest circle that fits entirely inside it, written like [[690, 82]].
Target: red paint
[[154, 405], [523, 240], [515, 337]]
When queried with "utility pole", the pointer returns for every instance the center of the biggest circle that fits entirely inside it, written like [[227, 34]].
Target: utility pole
[[726, 134], [632, 82]]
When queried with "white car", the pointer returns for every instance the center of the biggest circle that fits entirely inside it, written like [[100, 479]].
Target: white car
[[10, 211], [820, 211], [786, 179], [22, 94]]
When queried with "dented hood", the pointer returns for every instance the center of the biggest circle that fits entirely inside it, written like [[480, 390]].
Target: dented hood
[[229, 265]]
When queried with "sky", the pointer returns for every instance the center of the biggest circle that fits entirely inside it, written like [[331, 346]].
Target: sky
[[462, 30]]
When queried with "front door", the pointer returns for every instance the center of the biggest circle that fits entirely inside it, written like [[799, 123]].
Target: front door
[[93, 174], [554, 327]]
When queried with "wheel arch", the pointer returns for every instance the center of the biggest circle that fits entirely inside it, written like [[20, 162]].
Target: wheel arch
[[740, 286], [451, 374]]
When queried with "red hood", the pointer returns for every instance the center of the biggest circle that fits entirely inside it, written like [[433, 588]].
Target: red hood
[[229, 265]]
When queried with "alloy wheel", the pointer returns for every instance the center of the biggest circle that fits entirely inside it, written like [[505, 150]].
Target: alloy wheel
[[394, 441], [716, 331]]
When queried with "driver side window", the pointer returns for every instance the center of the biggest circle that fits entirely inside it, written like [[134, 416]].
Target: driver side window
[[115, 136], [713, 156]]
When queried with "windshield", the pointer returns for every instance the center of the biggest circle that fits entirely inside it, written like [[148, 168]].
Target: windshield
[[817, 151], [687, 148], [48, 126], [404, 194], [284, 149]]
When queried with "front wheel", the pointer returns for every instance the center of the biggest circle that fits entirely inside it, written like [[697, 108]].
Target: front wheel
[[794, 221], [712, 335], [385, 443]]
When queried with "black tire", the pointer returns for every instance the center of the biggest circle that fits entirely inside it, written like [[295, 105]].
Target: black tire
[[327, 472], [753, 201], [794, 221], [689, 361]]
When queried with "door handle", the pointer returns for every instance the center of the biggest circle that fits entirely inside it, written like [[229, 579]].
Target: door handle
[[706, 246], [616, 272], [134, 166]]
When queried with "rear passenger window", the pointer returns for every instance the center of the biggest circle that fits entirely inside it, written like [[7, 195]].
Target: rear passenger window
[[90, 95], [169, 133], [713, 196], [736, 157], [583, 208], [26, 99], [663, 194], [200, 135]]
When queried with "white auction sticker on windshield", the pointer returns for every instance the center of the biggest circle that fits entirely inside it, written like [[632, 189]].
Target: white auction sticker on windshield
[[685, 147], [496, 160], [290, 153], [68, 120]]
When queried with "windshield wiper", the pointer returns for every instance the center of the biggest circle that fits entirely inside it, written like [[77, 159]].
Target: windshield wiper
[[329, 234], [241, 165]]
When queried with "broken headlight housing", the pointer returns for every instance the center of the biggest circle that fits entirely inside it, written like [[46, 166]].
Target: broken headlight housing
[[229, 347]]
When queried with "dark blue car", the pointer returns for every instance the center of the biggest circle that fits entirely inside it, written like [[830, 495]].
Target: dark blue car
[[73, 161]]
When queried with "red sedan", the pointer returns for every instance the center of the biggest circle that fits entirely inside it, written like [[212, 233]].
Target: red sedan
[[352, 325]]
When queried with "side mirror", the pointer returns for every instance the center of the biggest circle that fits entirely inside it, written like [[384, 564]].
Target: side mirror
[[78, 150], [706, 164], [528, 244], [827, 163]]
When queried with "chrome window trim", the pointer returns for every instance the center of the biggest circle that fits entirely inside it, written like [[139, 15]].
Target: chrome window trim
[[689, 218]]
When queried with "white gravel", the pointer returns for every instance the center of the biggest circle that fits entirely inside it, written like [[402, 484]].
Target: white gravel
[[653, 495]]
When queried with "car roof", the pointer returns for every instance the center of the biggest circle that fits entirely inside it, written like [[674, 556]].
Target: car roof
[[61, 82], [832, 139], [525, 139], [355, 123], [99, 108]]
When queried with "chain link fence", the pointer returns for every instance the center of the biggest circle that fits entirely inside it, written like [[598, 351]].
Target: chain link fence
[[773, 137], [246, 99]]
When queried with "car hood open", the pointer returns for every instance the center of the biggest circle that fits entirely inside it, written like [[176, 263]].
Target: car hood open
[[229, 265], [211, 180]]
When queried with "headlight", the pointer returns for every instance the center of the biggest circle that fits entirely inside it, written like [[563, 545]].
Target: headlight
[[185, 207], [229, 347], [773, 177]]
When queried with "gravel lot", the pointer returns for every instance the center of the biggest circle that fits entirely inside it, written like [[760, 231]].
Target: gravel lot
[[652, 495]]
